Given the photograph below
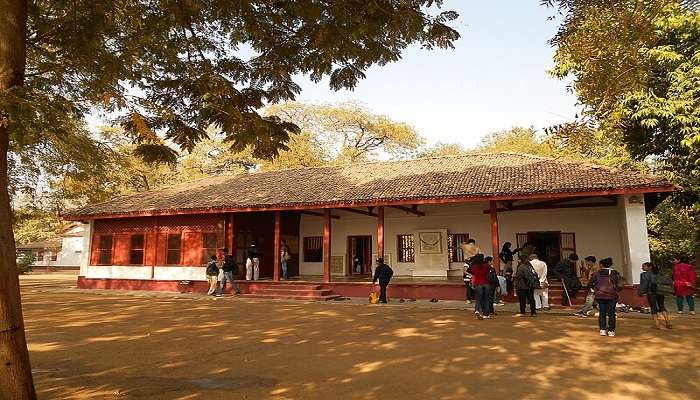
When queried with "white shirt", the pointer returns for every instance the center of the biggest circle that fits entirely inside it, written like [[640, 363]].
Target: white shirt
[[541, 269]]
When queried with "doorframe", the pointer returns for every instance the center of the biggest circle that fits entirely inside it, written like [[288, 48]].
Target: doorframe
[[366, 267]]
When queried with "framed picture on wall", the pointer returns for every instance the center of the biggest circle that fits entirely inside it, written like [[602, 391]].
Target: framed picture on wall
[[430, 242]]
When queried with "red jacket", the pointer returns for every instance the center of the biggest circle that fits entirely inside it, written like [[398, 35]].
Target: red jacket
[[682, 275], [479, 273]]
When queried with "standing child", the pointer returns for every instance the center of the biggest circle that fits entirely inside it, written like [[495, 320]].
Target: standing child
[[606, 283], [212, 275], [654, 286], [684, 279]]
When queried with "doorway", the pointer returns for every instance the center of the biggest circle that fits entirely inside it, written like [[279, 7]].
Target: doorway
[[360, 255], [547, 246]]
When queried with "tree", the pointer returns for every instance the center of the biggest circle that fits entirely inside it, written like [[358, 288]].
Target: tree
[[636, 71], [172, 69], [348, 132], [441, 149]]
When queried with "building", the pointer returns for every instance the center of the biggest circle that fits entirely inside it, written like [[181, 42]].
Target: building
[[62, 254], [338, 219]]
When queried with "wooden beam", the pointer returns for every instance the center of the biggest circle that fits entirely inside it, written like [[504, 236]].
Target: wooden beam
[[380, 232], [544, 207], [277, 240], [327, 246], [318, 214], [494, 235], [412, 210], [365, 203], [352, 210]]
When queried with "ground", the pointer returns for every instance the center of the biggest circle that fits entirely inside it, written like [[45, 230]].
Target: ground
[[125, 345]]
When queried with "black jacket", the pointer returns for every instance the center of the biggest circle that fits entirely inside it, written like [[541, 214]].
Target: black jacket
[[383, 274], [212, 269], [252, 252], [230, 264]]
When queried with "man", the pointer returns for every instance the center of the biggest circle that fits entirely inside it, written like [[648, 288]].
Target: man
[[230, 267], [541, 294], [252, 263], [470, 249], [285, 257], [383, 274], [589, 269], [566, 271], [684, 279], [212, 275]]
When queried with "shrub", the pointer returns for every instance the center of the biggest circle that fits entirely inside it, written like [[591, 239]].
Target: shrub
[[24, 263]]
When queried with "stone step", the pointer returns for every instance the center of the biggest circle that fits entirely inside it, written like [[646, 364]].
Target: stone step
[[290, 297], [294, 291], [295, 286]]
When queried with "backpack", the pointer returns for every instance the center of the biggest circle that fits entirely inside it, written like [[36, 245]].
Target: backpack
[[212, 269], [532, 279], [605, 287], [662, 285], [492, 277]]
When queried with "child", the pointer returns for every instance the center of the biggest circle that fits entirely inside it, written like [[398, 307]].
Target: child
[[212, 275], [606, 283]]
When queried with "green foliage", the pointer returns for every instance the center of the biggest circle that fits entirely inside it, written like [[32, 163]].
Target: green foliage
[[31, 225], [24, 263], [672, 232], [442, 149]]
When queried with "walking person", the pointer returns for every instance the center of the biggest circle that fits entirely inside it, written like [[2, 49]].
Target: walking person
[[479, 270], [229, 268], [541, 294], [284, 257], [526, 281], [506, 255], [252, 263], [467, 278], [212, 272], [606, 284], [652, 285], [492, 278], [684, 280], [383, 274], [566, 271]]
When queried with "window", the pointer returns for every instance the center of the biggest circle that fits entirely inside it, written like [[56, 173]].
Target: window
[[54, 255], [454, 246], [407, 251], [105, 250], [40, 255], [136, 249], [209, 241], [313, 249], [174, 249]]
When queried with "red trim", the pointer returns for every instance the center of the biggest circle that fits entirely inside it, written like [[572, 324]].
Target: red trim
[[380, 232], [327, 246], [277, 262], [351, 204], [494, 236], [554, 206]]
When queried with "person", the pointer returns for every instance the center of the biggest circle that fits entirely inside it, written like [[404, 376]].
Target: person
[[526, 281], [229, 268], [566, 271], [541, 294], [684, 280], [502, 288], [506, 255], [492, 278], [606, 284], [467, 278], [479, 270], [648, 287], [252, 263], [508, 275], [284, 258], [383, 274], [590, 267], [212, 272], [470, 249]]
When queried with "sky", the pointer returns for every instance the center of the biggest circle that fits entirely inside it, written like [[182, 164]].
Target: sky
[[494, 79]]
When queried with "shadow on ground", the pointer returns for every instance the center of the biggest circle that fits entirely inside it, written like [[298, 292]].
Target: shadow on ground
[[119, 347]]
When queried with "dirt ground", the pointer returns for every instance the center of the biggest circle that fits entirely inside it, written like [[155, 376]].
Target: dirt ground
[[111, 345]]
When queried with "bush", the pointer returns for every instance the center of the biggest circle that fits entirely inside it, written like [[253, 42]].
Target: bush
[[24, 263]]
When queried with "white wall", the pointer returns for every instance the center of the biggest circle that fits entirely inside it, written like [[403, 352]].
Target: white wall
[[87, 247], [633, 233], [71, 253], [175, 273], [597, 230]]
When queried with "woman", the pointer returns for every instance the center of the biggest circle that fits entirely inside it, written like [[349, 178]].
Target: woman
[[524, 287], [648, 288], [606, 285], [467, 277], [479, 270], [506, 255]]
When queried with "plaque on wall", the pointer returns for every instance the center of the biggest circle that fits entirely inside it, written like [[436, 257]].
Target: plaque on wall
[[338, 265], [430, 242]]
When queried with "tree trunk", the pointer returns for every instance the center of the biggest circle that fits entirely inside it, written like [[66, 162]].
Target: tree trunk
[[15, 370]]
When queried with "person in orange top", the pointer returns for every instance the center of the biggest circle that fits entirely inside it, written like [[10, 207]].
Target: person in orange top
[[684, 279]]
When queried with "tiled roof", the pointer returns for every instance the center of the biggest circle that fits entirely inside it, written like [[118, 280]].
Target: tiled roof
[[471, 176], [41, 245]]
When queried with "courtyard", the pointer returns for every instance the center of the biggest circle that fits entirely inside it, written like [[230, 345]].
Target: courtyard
[[144, 345]]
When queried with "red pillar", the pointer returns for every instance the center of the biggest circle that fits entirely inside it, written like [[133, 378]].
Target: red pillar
[[380, 232], [494, 235], [231, 235], [327, 245], [278, 243]]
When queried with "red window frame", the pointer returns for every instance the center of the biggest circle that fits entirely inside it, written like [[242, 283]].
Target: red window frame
[[207, 252], [406, 248], [454, 248], [102, 250], [313, 249], [176, 252], [137, 246]]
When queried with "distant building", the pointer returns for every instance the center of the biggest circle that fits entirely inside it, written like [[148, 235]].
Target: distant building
[[65, 253]]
